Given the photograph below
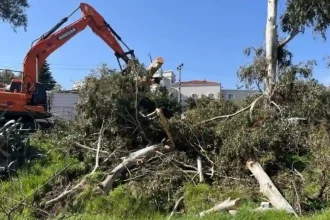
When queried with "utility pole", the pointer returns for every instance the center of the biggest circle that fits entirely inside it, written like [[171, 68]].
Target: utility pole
[[179, 97]]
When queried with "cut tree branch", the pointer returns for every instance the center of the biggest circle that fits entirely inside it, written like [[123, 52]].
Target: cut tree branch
[[79, 186], [224, 206], [106, 185], [200, 169], [175, 207], [268, 188], [251, 106], [89, 148], [40, 187]]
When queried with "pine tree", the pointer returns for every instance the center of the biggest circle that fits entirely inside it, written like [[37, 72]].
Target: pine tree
[[46, 78]]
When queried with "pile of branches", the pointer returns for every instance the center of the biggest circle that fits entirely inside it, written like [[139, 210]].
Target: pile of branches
[[15, 148], [130, 136]]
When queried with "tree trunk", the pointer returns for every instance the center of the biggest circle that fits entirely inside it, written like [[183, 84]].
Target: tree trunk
[[271, 45], [268, 188]]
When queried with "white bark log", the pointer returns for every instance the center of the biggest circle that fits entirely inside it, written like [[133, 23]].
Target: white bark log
[[232, 212], [268, 188], [106, 184], [264, 206], [200, 169], [155, 65], [271, 45], [224, 206]]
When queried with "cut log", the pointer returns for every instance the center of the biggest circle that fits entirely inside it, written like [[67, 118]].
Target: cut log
[[232, 212], [106, 184], [224, 206], [268, 188], [155, 66], [264, 206], [200, 169]]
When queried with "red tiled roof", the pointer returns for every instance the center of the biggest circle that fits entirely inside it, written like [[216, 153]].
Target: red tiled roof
[[200, 82]]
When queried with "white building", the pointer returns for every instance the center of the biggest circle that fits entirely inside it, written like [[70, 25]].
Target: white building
[[196, 89], [62, 104], [236, 94], [168, 78]]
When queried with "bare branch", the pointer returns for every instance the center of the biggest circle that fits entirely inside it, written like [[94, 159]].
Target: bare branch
[[99, 143], [200, 169], [106, 184], [176, 207], [236, 113], [40, 187], [89, 148], [67, 192], [289, 38], [77, 187]]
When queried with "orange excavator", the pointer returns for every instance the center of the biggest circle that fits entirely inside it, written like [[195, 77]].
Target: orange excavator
[[27, 98]]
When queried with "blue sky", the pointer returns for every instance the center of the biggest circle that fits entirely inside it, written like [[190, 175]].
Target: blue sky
[[207, 36]]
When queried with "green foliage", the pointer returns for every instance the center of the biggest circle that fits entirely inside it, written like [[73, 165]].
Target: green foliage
[[109, 96], [121, 203], [13, 12], [46, 78], [303, 14]]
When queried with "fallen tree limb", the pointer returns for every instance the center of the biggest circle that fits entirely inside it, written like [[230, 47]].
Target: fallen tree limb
[[79, 186], [175, 207], [39, 188], [106, 184], [89, 148], [268, 188], [251, 106], [67, 192], [224, 206]]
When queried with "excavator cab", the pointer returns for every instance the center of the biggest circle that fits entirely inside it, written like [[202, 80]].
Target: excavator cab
[[15, 85]]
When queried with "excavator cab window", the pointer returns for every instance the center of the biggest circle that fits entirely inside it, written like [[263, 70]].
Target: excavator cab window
[[40, 95], [14, 85]]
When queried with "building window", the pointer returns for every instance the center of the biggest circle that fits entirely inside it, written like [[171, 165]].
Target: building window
[[211, 95], [194, 96], [230, 96]]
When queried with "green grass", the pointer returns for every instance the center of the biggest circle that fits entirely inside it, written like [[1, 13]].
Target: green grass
[[120, 203]]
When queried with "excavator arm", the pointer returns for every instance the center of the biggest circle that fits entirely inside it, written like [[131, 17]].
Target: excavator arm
[[52, 40]]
